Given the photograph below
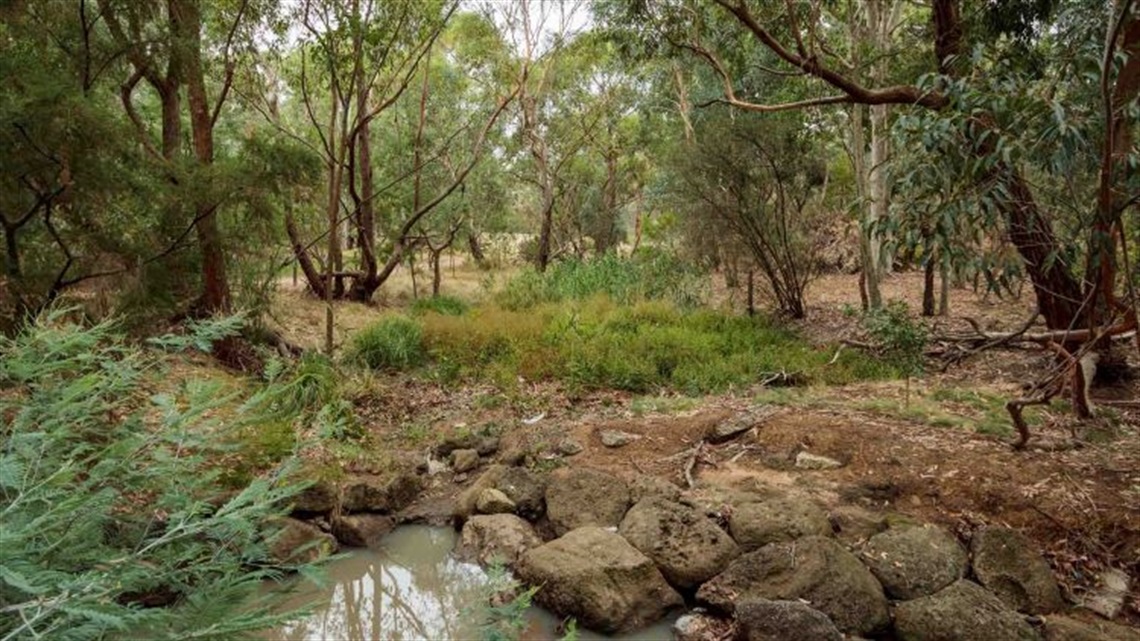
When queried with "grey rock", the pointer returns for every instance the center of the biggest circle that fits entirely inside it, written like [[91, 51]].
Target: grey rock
[[688, 547], [361, 530], [913, 562], [527, 489], [597, 577], [963, 611], [853, 524], [466, 501], [735, 426], [382, 495], [583, 496], [492, 501], [764, 620], [721, 501], [809, 461], [464, 460], [617, 438], [755, 525], [1107, 598], [569, 447], [496, 538], [320, 497], [816, 569], [1008, 564], [292, 542], [644, 486]]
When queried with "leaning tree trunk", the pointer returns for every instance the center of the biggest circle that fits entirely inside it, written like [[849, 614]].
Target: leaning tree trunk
[[1058, 291]]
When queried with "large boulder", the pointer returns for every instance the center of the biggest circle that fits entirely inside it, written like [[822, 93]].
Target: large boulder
[[496, 538], [361, 530], [854, 524], [643, 486], [1008, 564], [293, 542], [597, 577], [527, 489], [755, 525], [579, 497], [688, 547], [764, 620], [721, 500], [913, 562], [816, 569], [961, 612], [381, 495]]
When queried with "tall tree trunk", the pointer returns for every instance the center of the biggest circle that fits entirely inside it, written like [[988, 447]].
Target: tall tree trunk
[[869, 266], [186, 23], [944, 287], [928, 287]]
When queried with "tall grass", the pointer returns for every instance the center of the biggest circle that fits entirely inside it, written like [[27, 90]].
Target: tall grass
[[643, 347], [647, 275], [393, 343]]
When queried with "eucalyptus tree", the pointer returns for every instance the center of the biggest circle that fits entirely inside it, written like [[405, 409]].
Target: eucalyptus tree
[[187, 49], [355, 62], [964, 95]]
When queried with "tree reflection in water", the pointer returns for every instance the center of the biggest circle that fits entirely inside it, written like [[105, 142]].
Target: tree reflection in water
[[410, 588]]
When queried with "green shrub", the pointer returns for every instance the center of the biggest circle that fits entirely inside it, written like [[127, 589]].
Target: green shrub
[[446, 305], [108, 498], [901, 339], [393, 343]]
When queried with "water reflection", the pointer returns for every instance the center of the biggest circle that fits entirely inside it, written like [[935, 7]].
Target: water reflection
[[410, 588]]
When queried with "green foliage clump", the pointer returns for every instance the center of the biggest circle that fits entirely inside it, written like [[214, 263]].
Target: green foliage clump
[[647, 275], [644, 347], [901, 339], [393, 343], [110, 500], [448, 305]]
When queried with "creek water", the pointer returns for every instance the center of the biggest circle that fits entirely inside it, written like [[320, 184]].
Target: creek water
[[412, 587]]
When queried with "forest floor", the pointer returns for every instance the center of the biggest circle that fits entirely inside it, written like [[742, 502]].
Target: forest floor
[[936, 449]]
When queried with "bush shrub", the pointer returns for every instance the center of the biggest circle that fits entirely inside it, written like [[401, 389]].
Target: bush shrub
[[393, 343], [110, 502]]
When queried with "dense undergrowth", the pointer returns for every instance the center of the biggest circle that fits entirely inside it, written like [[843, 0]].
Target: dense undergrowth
[[598, 326], [112, 485]]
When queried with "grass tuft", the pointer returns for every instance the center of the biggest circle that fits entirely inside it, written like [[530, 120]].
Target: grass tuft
[[393, 343]]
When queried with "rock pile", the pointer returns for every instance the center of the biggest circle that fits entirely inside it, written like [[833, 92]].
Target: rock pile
[[762, 564]]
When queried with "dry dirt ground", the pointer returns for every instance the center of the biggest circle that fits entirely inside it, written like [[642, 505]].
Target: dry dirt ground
[[1081, 505]]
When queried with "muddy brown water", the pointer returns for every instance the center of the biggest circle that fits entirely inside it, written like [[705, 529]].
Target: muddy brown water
[[412, 587]]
